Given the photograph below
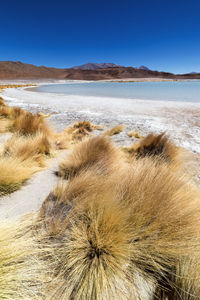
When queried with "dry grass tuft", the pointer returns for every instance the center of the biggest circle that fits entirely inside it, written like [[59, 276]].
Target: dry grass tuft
[[93, 249], [130, 234], [28, 123], [155, 146], [21, 157], [84, 124], [22, 272], [11, 112], [62, 140], [80, 133], [24, 153], [14, 172], [2, 102], [96, 151], [81, 129], [43, 115], [115, 130], [25, 147], [5, 125], [135, 134]]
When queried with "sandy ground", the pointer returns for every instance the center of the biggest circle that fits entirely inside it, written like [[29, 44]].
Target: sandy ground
[[179, 120], [30, 197]]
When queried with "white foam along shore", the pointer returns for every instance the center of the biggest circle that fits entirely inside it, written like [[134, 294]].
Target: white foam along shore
[[181, 120]]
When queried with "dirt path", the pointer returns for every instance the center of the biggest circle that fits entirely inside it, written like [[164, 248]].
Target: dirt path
[[30, 197]]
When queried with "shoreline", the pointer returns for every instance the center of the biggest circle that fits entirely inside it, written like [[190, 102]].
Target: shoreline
[[178, 119]]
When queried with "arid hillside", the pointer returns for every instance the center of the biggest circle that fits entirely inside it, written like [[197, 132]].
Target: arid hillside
[[19, 70]]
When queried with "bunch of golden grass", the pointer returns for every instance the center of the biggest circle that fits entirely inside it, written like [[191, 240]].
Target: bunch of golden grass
[[62, 140], [97, 151], [115, 130], [14, 172], [43, 115], [80, 133], [135, 134], [84, 124], [5, 125], [29, 123], [158, 146], [130, 234], [26, 147], [11, 112], [77, 274], [22, 272], [79, 130], [2, 102]]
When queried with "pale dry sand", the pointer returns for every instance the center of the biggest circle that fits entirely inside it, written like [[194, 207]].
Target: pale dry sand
[[30, 197], [181, 121]]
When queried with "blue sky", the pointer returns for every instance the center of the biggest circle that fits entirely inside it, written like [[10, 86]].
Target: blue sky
[[161, 34]]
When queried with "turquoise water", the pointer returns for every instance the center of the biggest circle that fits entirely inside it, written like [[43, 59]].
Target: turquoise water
[[173, 91]]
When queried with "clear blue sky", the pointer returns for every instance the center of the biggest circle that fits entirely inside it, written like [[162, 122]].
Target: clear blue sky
[[161, 34]]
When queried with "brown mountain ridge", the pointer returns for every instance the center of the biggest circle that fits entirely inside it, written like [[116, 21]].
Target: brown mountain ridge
[[19, 70]]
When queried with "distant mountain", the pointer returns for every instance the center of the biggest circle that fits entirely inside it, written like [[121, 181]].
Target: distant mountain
[[95, 66], [19, 70], [144, 68]]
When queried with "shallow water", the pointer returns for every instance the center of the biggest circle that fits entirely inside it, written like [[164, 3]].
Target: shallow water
[[184, 91]]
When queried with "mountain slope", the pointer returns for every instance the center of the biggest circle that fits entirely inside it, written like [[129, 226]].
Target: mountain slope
[[19, 70], [96, 66]]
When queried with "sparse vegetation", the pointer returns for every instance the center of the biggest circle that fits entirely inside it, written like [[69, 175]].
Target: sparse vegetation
[[62, 140], [84, 124], [135, 134], [115, 130], [7, 86], [26, 151], [14, 172], [81, 129], [22, 272], [23, 154], [27, 123], [155, 146], [2, 102], [25, 147]]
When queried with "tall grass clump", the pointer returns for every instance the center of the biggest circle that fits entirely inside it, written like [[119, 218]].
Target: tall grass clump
[[2, 102], [5, 125], [114, 130], [21, 157], [129, 234], [26, 147], [134, 134], [14, 172], [96, 151], [28, 123], [22, 272], [11, 112], [80, 130], [160, 148]]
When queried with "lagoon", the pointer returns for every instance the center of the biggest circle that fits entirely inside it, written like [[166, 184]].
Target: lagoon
[[183, 91]]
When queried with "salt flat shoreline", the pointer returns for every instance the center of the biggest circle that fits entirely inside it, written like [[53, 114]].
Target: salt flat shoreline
[[181, 120]]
